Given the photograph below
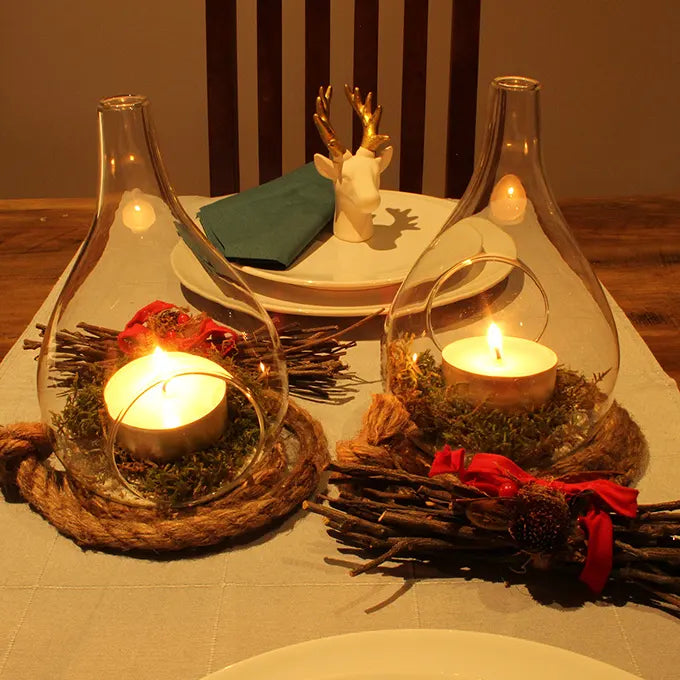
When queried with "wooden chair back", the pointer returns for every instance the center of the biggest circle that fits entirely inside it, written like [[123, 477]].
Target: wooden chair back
[[266, 60]]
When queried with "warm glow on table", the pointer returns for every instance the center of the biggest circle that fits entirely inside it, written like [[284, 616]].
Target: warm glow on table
[[502, 372], [181, 414]]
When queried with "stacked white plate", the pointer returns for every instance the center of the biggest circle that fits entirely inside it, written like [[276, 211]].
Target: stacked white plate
[[336, 278]]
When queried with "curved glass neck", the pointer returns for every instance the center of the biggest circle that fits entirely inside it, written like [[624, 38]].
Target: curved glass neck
[[129, 158], [512, 140]]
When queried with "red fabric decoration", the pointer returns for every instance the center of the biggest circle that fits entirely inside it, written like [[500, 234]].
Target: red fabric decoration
[[497, 475], [149, 310], [136, 333], [598, 525]]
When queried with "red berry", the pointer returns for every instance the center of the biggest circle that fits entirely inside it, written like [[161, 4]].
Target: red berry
[[507, 489]]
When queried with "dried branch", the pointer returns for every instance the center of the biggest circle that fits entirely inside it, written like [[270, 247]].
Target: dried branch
[[390, 514], [313, 355]]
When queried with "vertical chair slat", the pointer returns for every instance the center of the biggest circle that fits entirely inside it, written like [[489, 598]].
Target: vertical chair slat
[[269, 88], [220, 20], [414, 74], [460, 154], [317, 66], [365, 56]]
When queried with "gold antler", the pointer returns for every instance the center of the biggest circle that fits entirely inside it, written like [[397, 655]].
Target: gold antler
[[323, 125], [370, 140]]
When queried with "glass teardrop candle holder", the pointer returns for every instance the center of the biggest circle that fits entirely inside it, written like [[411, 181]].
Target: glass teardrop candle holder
[[153, 396], [544, 385]]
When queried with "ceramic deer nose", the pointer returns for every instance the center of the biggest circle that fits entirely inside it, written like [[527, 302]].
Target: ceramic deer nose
[[361, 179], [356, 177]]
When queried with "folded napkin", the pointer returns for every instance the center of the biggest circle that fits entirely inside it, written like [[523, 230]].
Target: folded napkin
[[270, 225]]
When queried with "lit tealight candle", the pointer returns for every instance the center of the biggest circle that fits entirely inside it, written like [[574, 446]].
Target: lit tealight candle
[[508, 201], [505, 373], [138, 214], [184, 413]]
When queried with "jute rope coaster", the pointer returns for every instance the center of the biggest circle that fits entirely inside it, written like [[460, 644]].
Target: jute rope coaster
[[281, 480], [389, 438]]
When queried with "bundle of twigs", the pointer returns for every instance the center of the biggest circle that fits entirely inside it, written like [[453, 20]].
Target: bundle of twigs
[[390, 514], [81, 353], [313, 355]]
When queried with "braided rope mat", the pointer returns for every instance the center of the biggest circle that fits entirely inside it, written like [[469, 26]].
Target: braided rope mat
[[275, 488], [389, 438]]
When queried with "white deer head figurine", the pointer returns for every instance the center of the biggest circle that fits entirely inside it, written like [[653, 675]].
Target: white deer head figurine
[[356, 177]]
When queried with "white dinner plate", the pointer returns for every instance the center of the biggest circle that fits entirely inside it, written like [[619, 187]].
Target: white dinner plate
[[420, 655], [282, 298], [290, 299], [404, 225]]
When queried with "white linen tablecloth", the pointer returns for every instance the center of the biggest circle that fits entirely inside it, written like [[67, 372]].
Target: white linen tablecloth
[[69, 613]]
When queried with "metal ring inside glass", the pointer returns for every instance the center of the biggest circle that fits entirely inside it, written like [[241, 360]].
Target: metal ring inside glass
[[250, 461], [485, 258]]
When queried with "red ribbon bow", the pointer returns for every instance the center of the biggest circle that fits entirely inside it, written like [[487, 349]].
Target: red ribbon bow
[[136, 332], [497, 475]]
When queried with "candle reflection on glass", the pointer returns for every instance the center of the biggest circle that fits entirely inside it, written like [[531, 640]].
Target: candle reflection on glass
[[138, 214], [507, 373], [508, 202]]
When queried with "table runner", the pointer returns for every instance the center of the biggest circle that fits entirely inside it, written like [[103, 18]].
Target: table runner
[[69, 613]]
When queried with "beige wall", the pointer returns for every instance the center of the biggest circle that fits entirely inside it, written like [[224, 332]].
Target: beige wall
[[611, 87], [610, 68], [58, 58]]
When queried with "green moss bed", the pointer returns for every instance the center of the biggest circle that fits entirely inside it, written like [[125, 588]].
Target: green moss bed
[[84, 422], [532, 439]]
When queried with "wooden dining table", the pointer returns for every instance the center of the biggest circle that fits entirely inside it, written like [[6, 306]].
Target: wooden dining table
[[632, 242], [79, 613]]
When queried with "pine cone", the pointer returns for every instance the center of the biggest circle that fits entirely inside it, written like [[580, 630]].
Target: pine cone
[[541, 520]]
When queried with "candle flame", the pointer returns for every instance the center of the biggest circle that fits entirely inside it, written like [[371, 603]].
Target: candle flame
[[158, 354], [495, 340], [264, 370], [161, 367], [171, 391]]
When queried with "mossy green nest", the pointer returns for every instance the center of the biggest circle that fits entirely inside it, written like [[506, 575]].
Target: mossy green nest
[[533, 439], [85, 422]]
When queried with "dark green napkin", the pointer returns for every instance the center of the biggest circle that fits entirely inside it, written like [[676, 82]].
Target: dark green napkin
[[270, 225]]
